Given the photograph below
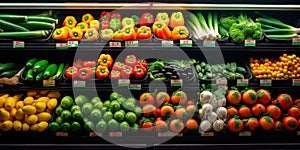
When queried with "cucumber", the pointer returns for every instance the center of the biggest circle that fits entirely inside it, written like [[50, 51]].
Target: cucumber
[[59, 71], [50, 71], [31, 62], [42, 19], [8, 66], [13, 18], [37, 25], [29, 75], [9, 74], [39, 77], [40, 66], [25, 35], [11, 26]]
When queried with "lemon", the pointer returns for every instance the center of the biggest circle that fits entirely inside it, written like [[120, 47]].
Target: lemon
[[19, 104], [28, 100], [28, 109], [17, 125], [32, 119], [40, 106], [42, 126], [25, 127], [6, 125], [52, 103], [4, 114], [44, 116], [19, 114], [34, 127]]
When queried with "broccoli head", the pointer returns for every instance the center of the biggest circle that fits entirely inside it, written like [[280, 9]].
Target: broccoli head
[[237, 35], [227, 22], [248, 31], [257, 34]]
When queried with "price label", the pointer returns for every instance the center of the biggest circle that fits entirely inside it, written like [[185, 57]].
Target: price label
[[72, 44], [61, 134], [250, 43], [242, 82], [93, 134], [62, 46], [296, 82], [79, 84], [169, 134], [207, 133], [265, 82], [115, 134], [18, 44], [209, 43], [221, 81], [296, 41], [123, 82], [135, 87], [48, 83], [167, 43], [131, 43], [114, 44], [186, 43], [245, 133], [176, 82]]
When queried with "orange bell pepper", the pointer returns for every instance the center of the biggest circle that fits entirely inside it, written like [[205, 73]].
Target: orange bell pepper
[[70, 22], [87, 18], [60, 34], [144, 32], [91, 34], [83, 26], [180, 32], [95, 24], [76, 34], [105, 60], [161, 30], [128, 33], [102, 72]]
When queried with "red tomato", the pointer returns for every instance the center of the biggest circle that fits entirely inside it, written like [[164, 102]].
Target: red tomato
[[290, 123], [257, 109], [284, 101], [274, 111]]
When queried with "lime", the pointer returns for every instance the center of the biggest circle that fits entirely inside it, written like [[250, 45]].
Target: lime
[[106, 104], [95, 115], [65, 127], [66, 102], [66, 115], [119, 116], [135, 128], [113, 125], [124, 126], [81, 100], [86, 109], [75, 126], [98, 105], [128, 106], [54, 126], [114, 96], [138, 111], [131, 99], [76, 115], [75, 107], [89, 126], [121, 99], [101, 126], [114, 106], [108, 115], [130, 117], [122, 111], [59, 120], [58, 110], [95, 100], [104, 109]]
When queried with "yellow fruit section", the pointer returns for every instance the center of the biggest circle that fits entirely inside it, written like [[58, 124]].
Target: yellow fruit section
[[44, 116], [10, 103], [19, 104], [7, 125], [54, 94], [29, 110], [19, 114], [52, 103]]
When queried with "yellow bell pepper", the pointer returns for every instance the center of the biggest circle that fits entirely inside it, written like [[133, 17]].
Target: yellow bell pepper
[[70, 22], [76, 34], [91, 34], [83, 26]]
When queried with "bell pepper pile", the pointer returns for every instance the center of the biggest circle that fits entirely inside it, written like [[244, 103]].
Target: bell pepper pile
[[129, 69], [72, 30], [105, 62], [81, 70]]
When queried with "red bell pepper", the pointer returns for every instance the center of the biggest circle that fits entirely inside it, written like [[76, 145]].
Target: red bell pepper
[[126, 72], [85, 73], [139, 71], [115, 15], [105, 25], [146, 19], [130, 60], [118, 66], [89, 64], [115, 75], [105, 16], [143, 62], [78, 63], [71, 72]]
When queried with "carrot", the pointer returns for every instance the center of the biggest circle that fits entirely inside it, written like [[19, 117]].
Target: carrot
[[178, 97], [181, 113], [166, 112], [284, 101], [274, 111], [290, 123], [249, 97], [244, 112], [294, 111], [161, 126], [252, 124], [266, 123], [278, 126], [233, 97], [258, 109], [263, 96], [162, 97], [231, 111], [176, 125], [235, 125], [192, 124]]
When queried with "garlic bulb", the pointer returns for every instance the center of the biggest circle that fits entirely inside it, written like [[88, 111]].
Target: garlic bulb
[[205, 97], [218, 125], [212, 117], [205, 126]]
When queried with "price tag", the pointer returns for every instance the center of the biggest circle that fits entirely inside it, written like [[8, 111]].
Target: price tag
[[296, 82], [72, 44], [207, 133], [114, 44], [169, 134], [245, 133], [123, 82], [18, 44], [62, 46], [209, 43], [93, 134], [186, 43], [131, 43], [135, 87], [48, 83], [242, 82], [265, 82], [79, 84], [296, 41], [221, 81], [250, 43], [176, 82], [61, 134], [167, 43], [115, 134]]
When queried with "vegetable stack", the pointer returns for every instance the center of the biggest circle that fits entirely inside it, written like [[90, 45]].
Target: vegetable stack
[[26, 27]]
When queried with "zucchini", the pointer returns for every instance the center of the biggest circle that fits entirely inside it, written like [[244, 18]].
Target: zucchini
[[9, 74], [8, 66], [42, 19], [11, 26], [50, 71], [37, 25], [31, 62], [59, 71], [13, 18], [27, 35], [40, 66], [29, 75], [39, 77]]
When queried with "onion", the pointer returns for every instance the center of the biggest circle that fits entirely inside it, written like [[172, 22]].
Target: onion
[[222, 113], [207, 109], [205, 126], [212, 117], [218, 125], [205, 97]]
